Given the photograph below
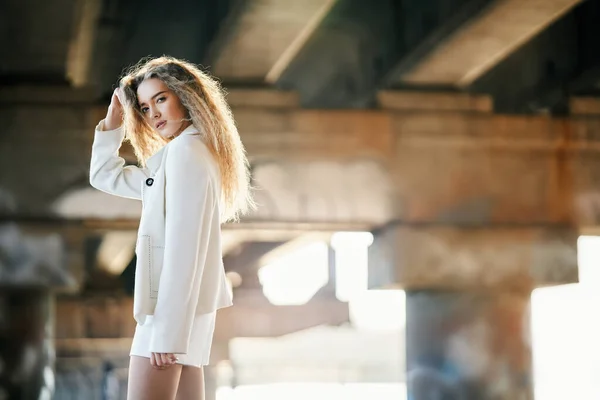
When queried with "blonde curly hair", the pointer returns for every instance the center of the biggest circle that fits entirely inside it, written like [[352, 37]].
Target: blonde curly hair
[[204, 100]]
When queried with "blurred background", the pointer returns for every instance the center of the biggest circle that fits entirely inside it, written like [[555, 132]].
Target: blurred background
[[428, 180]]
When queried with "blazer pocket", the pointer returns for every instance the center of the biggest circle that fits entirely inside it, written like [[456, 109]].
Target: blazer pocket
[[158, 253], [151, 261]]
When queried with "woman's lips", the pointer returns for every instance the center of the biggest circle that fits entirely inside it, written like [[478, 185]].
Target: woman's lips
[[161, 124]]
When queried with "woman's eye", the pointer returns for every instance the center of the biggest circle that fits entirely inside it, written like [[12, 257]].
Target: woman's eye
[[161, 99], [145, 110]]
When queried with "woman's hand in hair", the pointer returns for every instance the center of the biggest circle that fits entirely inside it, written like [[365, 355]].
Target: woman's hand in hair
[[114, 116]]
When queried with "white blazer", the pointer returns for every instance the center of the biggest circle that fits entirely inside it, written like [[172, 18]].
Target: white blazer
[[179, 270]]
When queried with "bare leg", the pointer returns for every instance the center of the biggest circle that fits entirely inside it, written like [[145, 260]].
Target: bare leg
[[191, 384], [149, 383]]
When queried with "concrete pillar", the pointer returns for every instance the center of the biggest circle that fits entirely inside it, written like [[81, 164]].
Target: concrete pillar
[[467, 303], [26, 344], [467, 345]]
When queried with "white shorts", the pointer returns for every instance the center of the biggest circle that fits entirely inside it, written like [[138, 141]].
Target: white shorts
[[200, 341]]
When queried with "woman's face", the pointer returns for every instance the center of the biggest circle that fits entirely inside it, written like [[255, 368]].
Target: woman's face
[[161, 108]]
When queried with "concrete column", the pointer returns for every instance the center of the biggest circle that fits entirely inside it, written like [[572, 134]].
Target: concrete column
[[467, 303], [466, 345], [26, 344]]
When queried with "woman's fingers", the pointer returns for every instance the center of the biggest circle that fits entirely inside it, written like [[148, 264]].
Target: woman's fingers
[[162, 360], [119, 95], [168, 359], [117, 99]]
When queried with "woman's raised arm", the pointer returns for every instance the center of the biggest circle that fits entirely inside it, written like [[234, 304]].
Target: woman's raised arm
[[107, 170]]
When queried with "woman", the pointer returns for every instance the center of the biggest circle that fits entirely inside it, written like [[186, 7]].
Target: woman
[[194, 175]]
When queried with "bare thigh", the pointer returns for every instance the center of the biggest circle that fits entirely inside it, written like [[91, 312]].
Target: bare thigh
[[149, 383], [191, 384]]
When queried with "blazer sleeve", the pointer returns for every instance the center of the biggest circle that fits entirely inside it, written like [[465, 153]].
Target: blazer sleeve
[[189, 206], [107, 170]]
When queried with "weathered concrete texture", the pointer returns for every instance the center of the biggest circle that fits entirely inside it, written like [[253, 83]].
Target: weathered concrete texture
[[480, 168], [26, 344], [468, 346], [417, 164], [85, 322], [475, 186], [518, 258], [322, 191], [586, 184], [314, 135], [262, 98], [44, 152], [254, 316], [267, 37], [412, 101], [94, 317], [584, 106], [483, 42]]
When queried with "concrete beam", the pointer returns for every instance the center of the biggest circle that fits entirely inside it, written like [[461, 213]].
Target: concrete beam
[[351, 167], [254, 316], [473, 258], [424, 101], [307, 134], [284, 130], [239, 98], [487, 39], [81, 46], [34, 95], [584, 106], [246, 258], [267, 37], [496, 169], [35, 38], [80, 318]]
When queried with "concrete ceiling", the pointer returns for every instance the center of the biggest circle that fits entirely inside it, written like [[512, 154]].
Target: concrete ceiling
[[61, 59], [485, 40], [332, 53], [267, 36], [34, 39]]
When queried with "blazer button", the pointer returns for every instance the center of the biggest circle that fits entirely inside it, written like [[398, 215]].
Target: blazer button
[[149, 181]]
